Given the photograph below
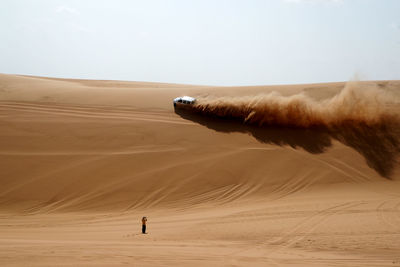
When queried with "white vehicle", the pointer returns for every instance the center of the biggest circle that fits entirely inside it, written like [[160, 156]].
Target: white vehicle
[[184, 101]]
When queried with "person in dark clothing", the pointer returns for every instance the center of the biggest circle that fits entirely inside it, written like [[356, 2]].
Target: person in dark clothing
[[144, 220]]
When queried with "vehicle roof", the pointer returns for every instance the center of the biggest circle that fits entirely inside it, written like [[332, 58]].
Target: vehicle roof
[[186, 98]]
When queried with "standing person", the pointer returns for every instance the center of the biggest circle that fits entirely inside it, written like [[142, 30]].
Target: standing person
[[144, 220]]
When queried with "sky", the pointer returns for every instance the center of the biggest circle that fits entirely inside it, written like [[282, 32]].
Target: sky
[[206, 42]]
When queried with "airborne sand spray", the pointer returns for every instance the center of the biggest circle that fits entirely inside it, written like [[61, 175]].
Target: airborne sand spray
[[364, 117], [353, 105]]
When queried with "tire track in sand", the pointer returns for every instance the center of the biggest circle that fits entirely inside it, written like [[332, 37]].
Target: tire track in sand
[[302, 230], [388, 212], [90, 112]]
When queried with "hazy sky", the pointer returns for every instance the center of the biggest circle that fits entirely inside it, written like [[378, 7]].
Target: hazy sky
[[213, 42]]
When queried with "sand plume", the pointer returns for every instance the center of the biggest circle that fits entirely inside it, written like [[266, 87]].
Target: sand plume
[[353, 104], [364, 118]]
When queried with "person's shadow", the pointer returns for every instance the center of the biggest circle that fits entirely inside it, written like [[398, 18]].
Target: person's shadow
[[378, 144]]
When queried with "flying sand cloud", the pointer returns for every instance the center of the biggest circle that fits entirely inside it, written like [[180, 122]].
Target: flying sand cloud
[[361, 117], [353, 105]]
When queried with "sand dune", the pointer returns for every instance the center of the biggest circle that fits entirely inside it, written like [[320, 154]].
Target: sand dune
[[82, 161]]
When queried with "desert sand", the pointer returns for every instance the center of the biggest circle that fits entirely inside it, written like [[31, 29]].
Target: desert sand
[[81, 161]]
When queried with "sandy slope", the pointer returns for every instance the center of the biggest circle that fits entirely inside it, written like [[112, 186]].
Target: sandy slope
[[81, 161]]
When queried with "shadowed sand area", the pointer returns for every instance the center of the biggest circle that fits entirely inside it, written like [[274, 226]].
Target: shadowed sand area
[[82, 161]]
